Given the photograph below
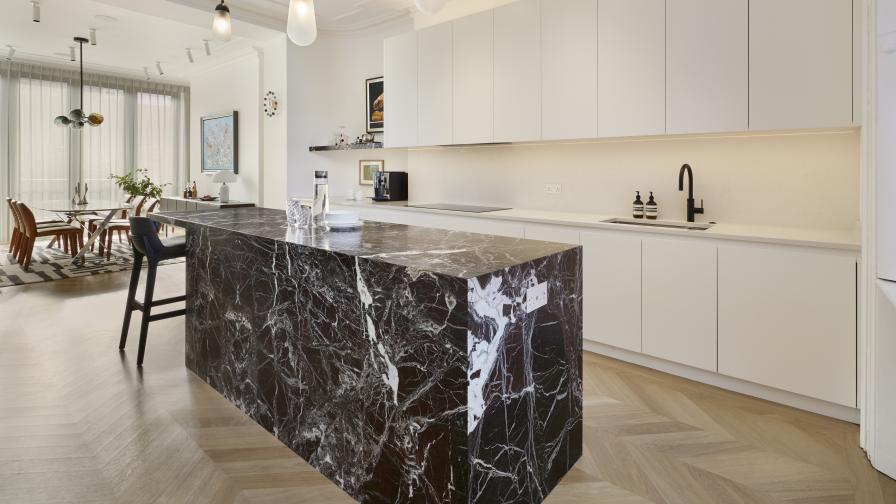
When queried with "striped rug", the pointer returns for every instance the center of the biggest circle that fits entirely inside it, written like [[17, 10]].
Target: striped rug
[[48, 264]]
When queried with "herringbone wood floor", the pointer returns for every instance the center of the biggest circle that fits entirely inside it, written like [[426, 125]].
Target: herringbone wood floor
[[79, 423]]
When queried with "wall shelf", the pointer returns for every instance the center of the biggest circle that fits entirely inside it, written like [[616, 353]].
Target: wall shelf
[[365, 146]]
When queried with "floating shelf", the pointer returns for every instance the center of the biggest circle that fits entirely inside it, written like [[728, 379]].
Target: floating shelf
[[365, 146]]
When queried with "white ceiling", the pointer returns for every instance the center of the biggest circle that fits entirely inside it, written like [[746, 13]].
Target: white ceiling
[[146, 31]]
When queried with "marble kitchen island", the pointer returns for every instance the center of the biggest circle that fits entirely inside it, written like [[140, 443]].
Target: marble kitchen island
[[406, 364]]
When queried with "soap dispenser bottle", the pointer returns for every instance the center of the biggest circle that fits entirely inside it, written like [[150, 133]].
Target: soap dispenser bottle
[[651, 210], [638, 206]]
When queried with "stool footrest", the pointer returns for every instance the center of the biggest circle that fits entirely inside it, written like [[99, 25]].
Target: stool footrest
[[137, 305], [165, 315]]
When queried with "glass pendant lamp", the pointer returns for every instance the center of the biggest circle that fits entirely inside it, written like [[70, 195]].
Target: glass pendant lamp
[[221, 23], [301, 26]]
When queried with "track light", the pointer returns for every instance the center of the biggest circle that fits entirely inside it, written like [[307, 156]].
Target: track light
[[93, 36], [12, 52], [208, 48], [71, 53], [190, 55], [221, 23], [35, 11], [146, 72], [159, 68]]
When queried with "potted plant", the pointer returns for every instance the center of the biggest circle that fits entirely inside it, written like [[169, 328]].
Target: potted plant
[[139, 183]]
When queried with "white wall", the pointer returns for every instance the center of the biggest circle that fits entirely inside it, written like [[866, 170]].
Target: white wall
[[228, 87], [807, 180], [274, 141]]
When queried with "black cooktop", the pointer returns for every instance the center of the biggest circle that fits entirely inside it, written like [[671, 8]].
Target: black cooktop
[[458, 208]]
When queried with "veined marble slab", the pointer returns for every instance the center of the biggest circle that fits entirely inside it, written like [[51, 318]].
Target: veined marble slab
[[406, 364]]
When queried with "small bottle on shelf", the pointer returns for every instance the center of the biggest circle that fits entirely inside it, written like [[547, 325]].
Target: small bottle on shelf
[[651, 211], [195, 191], [638, 206]]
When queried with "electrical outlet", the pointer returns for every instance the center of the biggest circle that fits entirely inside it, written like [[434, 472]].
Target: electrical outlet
[[536, 297], [553, 188]]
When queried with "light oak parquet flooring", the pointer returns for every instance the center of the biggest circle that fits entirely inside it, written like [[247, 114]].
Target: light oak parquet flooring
[[79, 423]]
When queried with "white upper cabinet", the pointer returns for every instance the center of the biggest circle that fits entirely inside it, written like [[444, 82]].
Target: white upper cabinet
[[474, 79], [800, 64], [568, 69], [631, 67], [706, 66], [787, 319], [400, 86], [435, 81], [679, 301], [518, 72]]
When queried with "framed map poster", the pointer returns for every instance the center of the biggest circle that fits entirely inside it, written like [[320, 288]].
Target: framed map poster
[[220, 143]]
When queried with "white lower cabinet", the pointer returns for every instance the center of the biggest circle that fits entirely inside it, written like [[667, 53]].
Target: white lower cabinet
[[787, 319], [612, 288], [679, 301], [559, 234]]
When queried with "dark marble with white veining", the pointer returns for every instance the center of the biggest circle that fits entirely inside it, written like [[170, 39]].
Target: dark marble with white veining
[[399, 361]]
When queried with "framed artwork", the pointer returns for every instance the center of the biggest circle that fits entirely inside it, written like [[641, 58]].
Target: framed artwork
[[367, 168], [220, 142], [375, 105]]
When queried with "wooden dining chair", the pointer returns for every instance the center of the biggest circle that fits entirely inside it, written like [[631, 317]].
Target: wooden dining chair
[[17, 235], [65, 233], [146, 206], [94, 222]]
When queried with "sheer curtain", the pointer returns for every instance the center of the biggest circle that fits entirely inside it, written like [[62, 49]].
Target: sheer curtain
[[144, 128]]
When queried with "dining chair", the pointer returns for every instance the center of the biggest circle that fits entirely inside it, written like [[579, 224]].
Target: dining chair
[[65, 233], [17, 226], [94, 222], [146, 206]]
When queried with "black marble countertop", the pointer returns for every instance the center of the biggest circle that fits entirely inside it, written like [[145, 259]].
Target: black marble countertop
[[452, 253]]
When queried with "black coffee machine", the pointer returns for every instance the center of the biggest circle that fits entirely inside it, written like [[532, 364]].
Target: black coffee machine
[[390, 186]]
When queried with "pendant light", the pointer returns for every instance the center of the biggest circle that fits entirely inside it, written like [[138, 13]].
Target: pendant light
[[430, 6], [76, 118], [221, 24], [301, 26]]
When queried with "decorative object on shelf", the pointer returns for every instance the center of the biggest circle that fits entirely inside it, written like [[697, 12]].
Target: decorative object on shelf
[[76, 119], [301, 24], [340, 141], [220, 143], [430, 6], [375, 105], [349, 146], [223, 177], [221, 23], [367, 169], [270, 103], [137, 183]]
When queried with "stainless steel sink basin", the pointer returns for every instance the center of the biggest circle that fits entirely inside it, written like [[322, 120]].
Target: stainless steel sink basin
[[691, 226]]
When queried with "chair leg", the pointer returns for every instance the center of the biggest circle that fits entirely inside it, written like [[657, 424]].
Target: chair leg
[[132, 293], [13, 240], [73, 243], [64, 244], [109, 246], [147, 309], [29, 248]]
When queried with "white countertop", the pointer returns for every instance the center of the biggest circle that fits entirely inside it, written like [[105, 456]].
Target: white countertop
[[845, 239]]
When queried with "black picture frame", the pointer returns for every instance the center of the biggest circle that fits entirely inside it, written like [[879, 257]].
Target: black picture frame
[[375, 103], [234, 142]]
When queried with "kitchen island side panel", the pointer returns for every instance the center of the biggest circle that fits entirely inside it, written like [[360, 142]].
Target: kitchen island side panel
[[525, 387], [357, 365]]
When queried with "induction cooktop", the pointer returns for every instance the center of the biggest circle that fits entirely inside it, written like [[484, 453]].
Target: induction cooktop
[[458, 208]]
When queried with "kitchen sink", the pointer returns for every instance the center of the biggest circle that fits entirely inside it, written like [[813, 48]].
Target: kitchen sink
[[690, 226]]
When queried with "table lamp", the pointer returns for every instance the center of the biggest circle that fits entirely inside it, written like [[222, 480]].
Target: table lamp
[[223, 177]]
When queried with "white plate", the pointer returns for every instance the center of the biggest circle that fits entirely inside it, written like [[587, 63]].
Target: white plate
[[341, 225]]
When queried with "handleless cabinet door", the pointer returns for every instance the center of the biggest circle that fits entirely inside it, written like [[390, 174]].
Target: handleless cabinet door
[[787, 319], [631, 65], [400, 85], [474, 79], [885, 147], [800, 63], [611, 266], [568, 69], [679, 301], [706, 66], [518, 72], [547, 232], [435, 81]]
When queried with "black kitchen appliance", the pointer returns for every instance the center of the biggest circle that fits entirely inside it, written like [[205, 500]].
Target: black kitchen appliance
[[390, 186]]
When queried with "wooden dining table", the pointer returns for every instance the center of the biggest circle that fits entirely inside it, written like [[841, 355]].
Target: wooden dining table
[[68, 210]]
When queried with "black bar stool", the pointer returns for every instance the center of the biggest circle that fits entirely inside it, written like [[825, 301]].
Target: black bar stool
[[146, 243]]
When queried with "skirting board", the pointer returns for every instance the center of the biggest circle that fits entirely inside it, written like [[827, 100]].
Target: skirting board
[[798, 401]]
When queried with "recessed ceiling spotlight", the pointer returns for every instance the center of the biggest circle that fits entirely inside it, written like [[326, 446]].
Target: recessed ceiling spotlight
[[105, 18], [208, 48], [159, 68], [190, 55], [35, 11], [93, 36]]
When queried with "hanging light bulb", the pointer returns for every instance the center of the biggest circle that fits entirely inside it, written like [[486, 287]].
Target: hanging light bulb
[[93, 36], [35, 11], [221, 24], [208, 48], [430, 6], [301, 25]]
